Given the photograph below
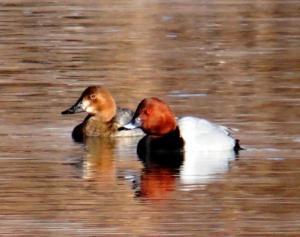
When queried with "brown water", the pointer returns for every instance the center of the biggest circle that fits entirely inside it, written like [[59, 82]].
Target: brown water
[[235, 62]]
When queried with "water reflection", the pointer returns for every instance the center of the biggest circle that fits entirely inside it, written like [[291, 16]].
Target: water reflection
[[159, 173], [161, 169], [195, 166], [203, 167], [99, 162], [233, 62], [156, 183]]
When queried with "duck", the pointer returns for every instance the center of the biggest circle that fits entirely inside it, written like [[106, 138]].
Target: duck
[[104, 117], [165, 132]]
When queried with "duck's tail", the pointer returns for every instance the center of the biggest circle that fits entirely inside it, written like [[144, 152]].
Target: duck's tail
[[237, 146]]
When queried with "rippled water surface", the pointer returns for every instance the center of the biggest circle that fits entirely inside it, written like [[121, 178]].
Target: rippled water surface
[[234, 62]]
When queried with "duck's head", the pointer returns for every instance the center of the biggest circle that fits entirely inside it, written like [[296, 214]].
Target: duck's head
[[154, 116], [96, 101]]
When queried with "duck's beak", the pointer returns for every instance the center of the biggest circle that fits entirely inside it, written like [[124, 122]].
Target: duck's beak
[[134, 123], [76, 108]]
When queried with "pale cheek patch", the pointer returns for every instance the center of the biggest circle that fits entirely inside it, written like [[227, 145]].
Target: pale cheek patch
[[89, 110], [85, 105]]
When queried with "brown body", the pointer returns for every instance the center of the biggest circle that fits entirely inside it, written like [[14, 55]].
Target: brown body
[[96, 127]]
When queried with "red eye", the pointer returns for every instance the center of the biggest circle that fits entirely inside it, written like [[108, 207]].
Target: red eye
[[93, 97], [148, 111]]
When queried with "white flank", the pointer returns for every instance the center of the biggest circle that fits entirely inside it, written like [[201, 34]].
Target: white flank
[[202, 135]]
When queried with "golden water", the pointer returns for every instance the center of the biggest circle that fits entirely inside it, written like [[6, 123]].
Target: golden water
[[234, 62]]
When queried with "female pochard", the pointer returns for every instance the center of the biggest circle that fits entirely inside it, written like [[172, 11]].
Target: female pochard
[[104, 118]]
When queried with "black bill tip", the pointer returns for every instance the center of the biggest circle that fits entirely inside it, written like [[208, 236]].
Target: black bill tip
[[68, 111], [76, 108]]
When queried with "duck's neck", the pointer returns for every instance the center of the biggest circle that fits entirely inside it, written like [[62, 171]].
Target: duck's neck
[[107, 114]]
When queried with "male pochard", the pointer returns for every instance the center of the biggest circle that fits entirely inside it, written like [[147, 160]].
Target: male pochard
[[104, 118], [165, 132]]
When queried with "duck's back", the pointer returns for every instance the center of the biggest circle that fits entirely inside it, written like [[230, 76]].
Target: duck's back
[[200, 134], [122, 118]]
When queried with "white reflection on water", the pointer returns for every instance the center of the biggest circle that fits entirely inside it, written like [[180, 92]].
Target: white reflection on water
[[201, 167], [153, 175]]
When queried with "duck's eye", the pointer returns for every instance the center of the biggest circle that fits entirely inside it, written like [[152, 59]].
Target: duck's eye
[[148, 111], [92, 96]]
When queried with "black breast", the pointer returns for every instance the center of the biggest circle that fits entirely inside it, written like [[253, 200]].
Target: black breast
[[164, 151]]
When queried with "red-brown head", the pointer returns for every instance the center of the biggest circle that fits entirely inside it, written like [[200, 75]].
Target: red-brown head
[[154, 116]]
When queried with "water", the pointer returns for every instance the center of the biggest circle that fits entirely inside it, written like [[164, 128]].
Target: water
[[233, 62]]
